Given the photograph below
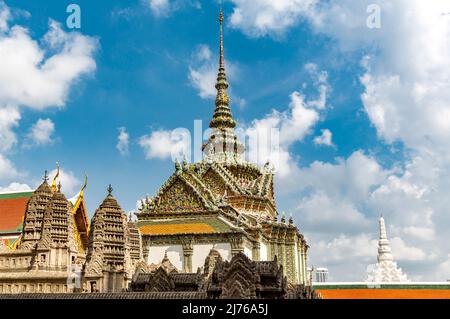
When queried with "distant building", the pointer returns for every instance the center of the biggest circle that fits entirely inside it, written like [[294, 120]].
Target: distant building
[[322, 274]]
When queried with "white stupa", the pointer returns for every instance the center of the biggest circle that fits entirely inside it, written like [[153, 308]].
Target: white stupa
[[386, 269]]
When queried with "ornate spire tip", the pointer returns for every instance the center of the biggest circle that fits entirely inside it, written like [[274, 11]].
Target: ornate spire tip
[[109, 189]]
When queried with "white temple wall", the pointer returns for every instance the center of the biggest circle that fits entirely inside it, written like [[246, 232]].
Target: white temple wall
[[174, 253], [201, 251], [248, 252], [263, 252]]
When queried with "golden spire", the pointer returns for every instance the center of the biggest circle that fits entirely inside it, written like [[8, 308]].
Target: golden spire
[[222, 117], [54, 185], [84, 186]]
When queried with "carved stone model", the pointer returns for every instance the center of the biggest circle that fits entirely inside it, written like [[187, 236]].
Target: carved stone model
[[222, 200], [113, 249], [51, 248], [240, 278], [386, 269]]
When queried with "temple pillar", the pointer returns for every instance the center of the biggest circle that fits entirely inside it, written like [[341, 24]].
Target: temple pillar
[[188, 250], [256, 251], [299, 261]]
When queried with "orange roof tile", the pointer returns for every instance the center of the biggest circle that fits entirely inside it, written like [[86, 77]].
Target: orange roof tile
[[165, 229], [12, 211]]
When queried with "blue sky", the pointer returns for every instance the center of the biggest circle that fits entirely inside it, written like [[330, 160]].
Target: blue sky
[[136, 66]]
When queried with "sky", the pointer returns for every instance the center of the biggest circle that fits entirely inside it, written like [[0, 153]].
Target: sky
[[358, 91]]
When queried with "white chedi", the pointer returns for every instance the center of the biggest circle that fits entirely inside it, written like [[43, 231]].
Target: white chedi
[[386, 269]]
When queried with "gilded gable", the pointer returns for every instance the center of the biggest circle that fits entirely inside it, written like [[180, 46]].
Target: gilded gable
[[178, 197]]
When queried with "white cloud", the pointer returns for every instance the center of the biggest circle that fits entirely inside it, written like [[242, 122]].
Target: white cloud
[[325, 138], [203, 73], [31, 76], [123, 141], [9, 118], [265, 17], [163, 8], [406, 97], [41, 132], [5, 16], [346, 256], [274, 134], [36, 74], [404, 252], [15, 187], [159, 7], [163, 144], [7, 169], [325, 213], [70, 185]]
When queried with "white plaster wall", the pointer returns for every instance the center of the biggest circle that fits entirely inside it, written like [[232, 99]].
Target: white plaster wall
[[201, 251], [263, 253], [248, 252], [174, 253]]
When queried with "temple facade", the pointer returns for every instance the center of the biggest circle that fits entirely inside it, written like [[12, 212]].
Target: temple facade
[[222, 201]]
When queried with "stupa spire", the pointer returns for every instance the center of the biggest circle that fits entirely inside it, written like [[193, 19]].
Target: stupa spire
[[222, 117], [386, 269]]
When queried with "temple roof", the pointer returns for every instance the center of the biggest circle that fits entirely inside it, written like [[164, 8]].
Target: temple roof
[[206, 225], [12, 211]]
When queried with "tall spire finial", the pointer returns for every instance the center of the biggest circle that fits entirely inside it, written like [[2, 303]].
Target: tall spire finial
[[45, 179], [221, 62], [109, 189], [222, 117]]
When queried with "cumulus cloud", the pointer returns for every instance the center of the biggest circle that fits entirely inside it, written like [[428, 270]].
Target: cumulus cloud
[[163, 8], [70, 184], [123, 141], [34, 78], [405, 80], [36, 74], [9, 118], [272, 136], [325, 138], [41, 132], [15, 187], [162, 144], [5, 16], [7, 169], [203, 73], [265, 17]]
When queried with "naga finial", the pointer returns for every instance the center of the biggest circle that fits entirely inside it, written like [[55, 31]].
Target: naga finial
[[110, 190]]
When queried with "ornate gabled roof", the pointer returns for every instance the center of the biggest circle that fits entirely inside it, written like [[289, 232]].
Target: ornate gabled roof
[[212, 187]]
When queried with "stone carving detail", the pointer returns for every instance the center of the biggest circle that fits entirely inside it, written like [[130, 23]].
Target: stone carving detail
[[111, 249]]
